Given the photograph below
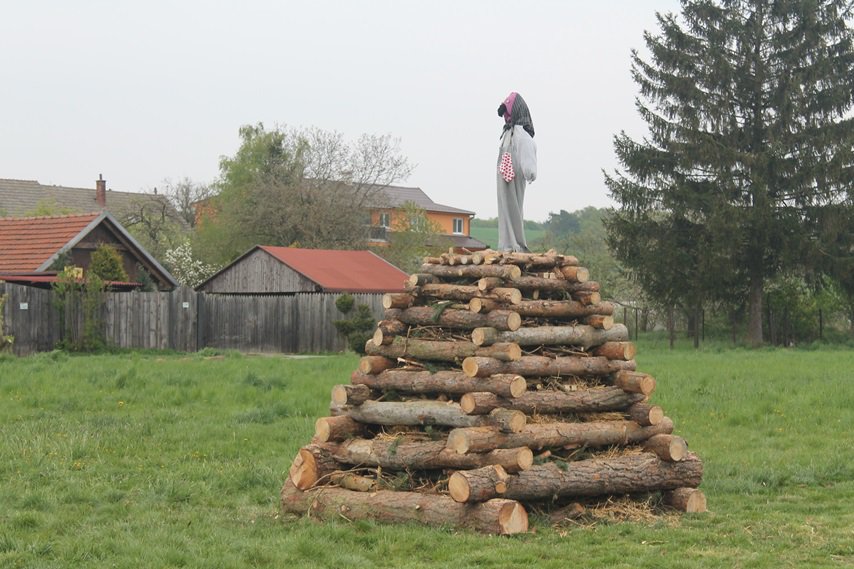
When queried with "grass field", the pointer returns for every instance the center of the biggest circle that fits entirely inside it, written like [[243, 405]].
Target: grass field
[[489, 235], [142, 460]]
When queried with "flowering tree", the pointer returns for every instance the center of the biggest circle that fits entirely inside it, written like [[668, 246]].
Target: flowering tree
[[186, 269]]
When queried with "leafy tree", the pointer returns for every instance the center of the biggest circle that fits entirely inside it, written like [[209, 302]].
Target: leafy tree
[[413, 236], [185, 267], [106, 262], [298, 187], [750, 141], [47, 206]]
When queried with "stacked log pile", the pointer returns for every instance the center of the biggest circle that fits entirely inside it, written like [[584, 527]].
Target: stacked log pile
[[498, 382]]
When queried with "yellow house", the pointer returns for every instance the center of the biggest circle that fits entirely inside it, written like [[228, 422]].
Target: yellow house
[[454, 223]]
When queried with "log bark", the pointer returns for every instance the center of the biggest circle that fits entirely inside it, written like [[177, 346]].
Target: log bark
[[459, 319], [423, 413], [554, 435], [312, 464], [354, 482], [616, 350], [562, 309], [552, 285], [599, 322], [543, 366], [465, 293], [689, 500], [645, 414], [550, 402], [375, 364], [477, 485], [583, 336], [587, 297], [397, 300], [530, 261], [350, 394], [421, 279], [450, 382], [388, 329], [473, 271], [602, 476], [635, 382], [484, 305], [574, 274], [502, 517], [430, 455], [337, 428], [667, 447], [441, 351], [488, 283]]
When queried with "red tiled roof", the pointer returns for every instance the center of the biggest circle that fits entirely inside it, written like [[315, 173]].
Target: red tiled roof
[[342, 271], [27, 242]]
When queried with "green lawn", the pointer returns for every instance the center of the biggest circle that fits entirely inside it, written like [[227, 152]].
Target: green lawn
[[489, 235], [142, 460]]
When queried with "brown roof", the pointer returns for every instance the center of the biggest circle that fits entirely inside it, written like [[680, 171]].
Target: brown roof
[[399, 195], [22, 197], [27, 242], [342, 271]]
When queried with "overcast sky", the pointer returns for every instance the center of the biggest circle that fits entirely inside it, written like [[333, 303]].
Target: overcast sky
[[146, 91]]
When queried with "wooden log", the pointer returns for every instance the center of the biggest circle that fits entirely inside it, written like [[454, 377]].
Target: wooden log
[[635, 382], [550, 402], [393, 413], [689, 500], [429, 455], [352, 481], [397, 300], [421, 279], [573, 273], [507, 420], [473, 271], [530, 261], [587, 297], [581, 335], [602, 476], [450, 382], [527, 283], [350, 394], [555, 435], [337, 428], [616, 350], [572, 511], [671, 448], [312, 464], [562, 309], [502, 517], [477, 485], [488, 283], [450, 318], [599, 322], [465, 293], [483, 305], [543, 366], [645, 414], [388, 329], [442, 351]]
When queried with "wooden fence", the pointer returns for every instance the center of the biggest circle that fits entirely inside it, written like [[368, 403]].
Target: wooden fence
[[184, 320]]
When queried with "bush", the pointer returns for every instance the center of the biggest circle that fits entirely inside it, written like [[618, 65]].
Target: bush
[[107, 263], [357, 329]]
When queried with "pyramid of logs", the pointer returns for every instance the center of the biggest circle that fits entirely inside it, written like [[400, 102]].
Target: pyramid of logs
[[497, 383]]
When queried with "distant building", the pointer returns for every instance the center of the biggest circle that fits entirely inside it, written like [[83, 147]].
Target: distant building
[[455, 223], [289, 270], [31, 247]]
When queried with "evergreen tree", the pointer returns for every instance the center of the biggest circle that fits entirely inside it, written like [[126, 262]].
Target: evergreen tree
[[747, 104]]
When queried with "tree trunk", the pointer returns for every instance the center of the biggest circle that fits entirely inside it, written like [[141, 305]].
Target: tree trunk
[[584, 336], [601, 476], [503, 517], [555, 435], [423, 413], [616, 350], [543, 366], [430, 455], [472, 271], [689, 500], [450, 382], [550, 402], [754, 323], [477, 485], [337, 428], [450, 318], [441, 351]]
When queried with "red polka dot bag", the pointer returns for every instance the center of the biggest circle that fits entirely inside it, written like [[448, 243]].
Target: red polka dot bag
[[506, 167]]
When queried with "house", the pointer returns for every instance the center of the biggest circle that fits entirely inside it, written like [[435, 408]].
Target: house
[[454, 223], [31, 248], [288, 270], [22, 198]]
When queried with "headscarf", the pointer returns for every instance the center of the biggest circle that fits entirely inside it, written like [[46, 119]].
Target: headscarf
[[515, 111]]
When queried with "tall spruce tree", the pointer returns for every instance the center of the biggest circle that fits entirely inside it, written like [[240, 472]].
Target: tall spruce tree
[[748, 108]]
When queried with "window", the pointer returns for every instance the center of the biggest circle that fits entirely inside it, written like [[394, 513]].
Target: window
[[458, 225], [384, 220]]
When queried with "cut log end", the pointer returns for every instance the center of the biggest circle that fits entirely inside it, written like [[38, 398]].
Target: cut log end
[[375, 364], [514, 321], [667, 447], [303, 471], [458, 487], [322, 430], [688, 500], [339, 395], [518, 386], [512, 518]]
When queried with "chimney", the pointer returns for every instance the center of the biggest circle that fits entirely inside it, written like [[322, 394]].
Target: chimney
[[101, 191]]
